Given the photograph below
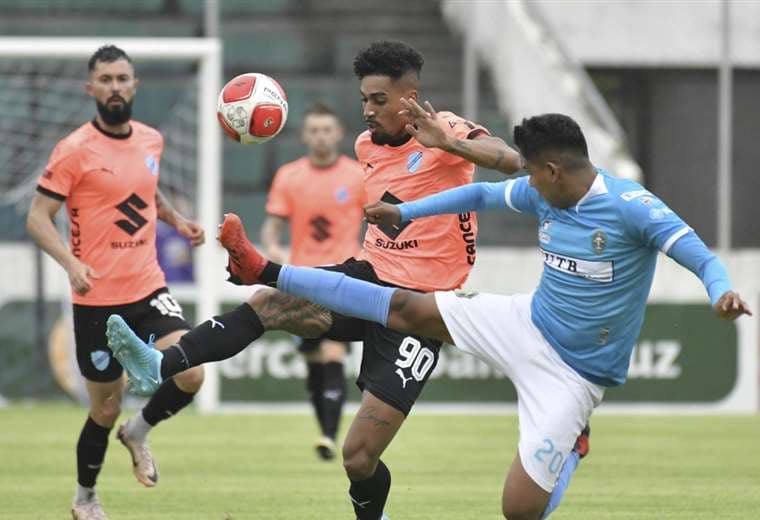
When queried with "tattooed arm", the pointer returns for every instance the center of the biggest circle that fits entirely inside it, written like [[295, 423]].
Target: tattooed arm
[[484, 150]]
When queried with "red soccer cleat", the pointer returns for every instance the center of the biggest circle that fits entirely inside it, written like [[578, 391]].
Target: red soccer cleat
[[582, 446], [246, 263]]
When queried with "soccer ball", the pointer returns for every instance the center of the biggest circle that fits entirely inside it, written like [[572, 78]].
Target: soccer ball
[[252, 108]]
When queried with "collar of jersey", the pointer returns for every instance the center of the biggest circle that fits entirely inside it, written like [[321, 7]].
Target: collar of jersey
[[598, 187], [111, 134]]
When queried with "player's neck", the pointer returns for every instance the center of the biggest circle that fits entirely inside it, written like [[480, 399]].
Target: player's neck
[[581, 186], [121, 130], [323, 161]]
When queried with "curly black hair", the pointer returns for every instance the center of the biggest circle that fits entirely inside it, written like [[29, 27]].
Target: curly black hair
[[107, 54], [388, 58], [549, 132]]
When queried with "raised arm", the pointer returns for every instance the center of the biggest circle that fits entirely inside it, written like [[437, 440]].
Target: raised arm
[[484, 150], [186, 227], [478, 196]]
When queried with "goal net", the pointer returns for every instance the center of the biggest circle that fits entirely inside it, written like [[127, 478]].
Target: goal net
[[42, 99]]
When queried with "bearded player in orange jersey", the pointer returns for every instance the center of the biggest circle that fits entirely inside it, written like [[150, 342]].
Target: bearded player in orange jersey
[[325, 220], [427, 255], [106, 172]]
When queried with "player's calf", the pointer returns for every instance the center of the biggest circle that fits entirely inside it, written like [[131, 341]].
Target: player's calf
[[280, 311]]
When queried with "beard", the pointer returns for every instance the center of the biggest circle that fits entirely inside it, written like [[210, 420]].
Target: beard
[[390, 140], [116, 115]]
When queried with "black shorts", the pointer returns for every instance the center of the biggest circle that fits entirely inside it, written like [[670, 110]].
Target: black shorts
[[395, 366], [158, 313]]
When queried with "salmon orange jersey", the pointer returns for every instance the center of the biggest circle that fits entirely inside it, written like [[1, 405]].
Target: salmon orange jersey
[[429, 254], [324, 207], [109, 184]]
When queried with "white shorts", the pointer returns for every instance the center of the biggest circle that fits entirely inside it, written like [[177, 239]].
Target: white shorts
[[554, 403]]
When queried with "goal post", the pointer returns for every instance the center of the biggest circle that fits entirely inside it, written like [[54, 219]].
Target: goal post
[[207, 54]]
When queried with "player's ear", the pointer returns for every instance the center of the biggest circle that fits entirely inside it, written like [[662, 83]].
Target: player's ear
[[88, 88], [137, 83], [554, 170]]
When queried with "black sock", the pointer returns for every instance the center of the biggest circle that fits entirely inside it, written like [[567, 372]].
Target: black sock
[[333, 397], [368, 496], [270, 274], [214, 340], [315, 386], [91, 450], [167, 401]]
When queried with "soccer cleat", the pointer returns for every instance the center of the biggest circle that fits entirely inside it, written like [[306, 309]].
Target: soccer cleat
[[141, 360], [88, 511], [246, 263], [325, 448], [582, 446], [143, 465]]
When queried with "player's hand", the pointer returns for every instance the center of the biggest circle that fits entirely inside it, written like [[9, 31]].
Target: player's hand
[[425, 126], [81, 276], [192, 231], [731, 306], [382, 213]]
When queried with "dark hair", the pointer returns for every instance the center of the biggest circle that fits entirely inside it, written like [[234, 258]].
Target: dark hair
[[549, 132], [107, 54], [388, 58], [320, 109]]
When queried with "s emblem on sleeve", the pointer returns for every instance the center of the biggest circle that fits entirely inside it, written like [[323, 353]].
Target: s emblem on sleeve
[[598, 241], [413, 162]]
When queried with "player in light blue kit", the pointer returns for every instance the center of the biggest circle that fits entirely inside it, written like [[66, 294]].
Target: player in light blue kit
[[561, 345]]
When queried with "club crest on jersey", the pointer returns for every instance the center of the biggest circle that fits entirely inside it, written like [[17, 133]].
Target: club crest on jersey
[[413, 161], [100, 359], [543, 232], [598, 241], [341, 194], [152, 164]]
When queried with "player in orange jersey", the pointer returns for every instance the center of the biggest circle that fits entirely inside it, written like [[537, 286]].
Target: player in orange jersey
[[426, 255], [320, 197], [106, 172]]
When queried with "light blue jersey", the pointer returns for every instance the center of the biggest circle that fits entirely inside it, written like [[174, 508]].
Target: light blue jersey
[[599, 260]]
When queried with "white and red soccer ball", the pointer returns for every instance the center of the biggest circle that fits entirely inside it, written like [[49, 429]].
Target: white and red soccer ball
[[252, 108]]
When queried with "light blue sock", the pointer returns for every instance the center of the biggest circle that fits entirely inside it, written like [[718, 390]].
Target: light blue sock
[[337, 292], [568, 468]]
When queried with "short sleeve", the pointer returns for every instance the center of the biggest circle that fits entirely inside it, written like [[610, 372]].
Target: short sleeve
[[650, 221], [278, 200], [61, 173], [520, 196]]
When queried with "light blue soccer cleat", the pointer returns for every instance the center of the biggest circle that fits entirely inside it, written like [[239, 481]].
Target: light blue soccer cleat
[[141, 360]]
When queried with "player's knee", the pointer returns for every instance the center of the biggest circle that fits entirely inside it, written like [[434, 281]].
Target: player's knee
[[106, 413], [190, 380], [358, 463], [402, 315]]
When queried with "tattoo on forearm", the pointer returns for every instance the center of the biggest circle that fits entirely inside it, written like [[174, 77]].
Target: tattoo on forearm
[[461, 146], [499, 158]]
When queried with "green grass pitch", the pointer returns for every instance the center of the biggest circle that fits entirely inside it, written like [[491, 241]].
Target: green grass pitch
[[262, 467]]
